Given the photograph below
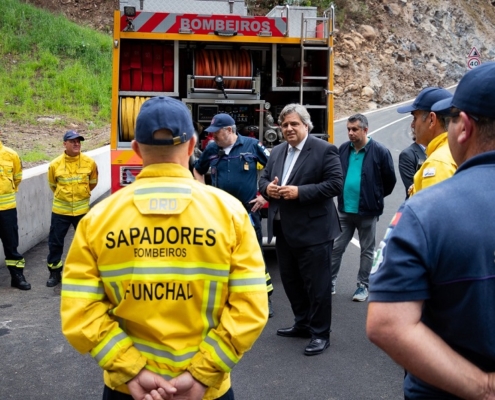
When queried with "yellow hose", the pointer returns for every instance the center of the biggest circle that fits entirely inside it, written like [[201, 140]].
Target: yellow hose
[[129, 110]]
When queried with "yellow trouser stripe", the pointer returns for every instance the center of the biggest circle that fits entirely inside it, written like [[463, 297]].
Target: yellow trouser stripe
[[16, 263]]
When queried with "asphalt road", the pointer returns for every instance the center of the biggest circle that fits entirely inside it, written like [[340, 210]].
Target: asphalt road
[[38, 363]]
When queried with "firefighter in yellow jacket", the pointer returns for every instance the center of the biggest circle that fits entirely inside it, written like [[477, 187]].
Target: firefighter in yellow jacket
[[165, 296], [10, 178], [71, 176]]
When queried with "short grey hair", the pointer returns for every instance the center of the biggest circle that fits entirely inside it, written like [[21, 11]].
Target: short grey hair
[[363, 121], [443, 120], [299, 110]]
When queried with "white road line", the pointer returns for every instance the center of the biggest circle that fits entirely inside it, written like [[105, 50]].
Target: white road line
[[386, 126], [390, 106], [3, 324]]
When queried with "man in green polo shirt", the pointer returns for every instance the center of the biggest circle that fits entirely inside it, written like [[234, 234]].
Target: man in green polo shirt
[[369, 176]]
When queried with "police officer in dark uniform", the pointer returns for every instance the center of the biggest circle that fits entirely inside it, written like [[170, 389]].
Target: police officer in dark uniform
[[233, 160]]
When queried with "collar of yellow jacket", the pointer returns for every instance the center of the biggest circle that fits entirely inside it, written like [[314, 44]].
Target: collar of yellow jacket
[[436, 143], [165, 169], [71, 159]]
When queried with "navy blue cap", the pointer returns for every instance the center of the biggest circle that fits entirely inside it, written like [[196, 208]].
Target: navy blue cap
[[425, 100], [220, 121], [72, 135], [163, 113], [475, 93]]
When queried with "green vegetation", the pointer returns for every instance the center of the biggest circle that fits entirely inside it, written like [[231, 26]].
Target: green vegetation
[[51, 65], [356, 10], [35, 155]]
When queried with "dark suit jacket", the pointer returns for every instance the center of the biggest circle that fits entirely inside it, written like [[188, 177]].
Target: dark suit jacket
[[410, 159], [312, 218]]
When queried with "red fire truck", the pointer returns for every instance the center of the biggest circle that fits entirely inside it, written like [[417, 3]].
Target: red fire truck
[[215, 58]]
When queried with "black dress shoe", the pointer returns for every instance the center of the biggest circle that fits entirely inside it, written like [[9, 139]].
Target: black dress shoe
[[316, 346], [294, 331]]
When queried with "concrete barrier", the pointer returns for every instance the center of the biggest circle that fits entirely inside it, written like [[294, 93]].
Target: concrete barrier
[[34, 200]]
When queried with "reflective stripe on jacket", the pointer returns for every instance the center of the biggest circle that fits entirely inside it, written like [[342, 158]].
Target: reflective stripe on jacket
[[10, 177], [165, 274], [71, 180]]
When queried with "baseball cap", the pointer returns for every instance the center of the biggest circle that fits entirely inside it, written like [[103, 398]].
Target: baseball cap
[[220, 121], [163, 113], [425, 100], [475, 93], [72, 135]]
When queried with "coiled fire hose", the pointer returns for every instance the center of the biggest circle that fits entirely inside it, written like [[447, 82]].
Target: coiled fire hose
[[224, 63], [129, 110]]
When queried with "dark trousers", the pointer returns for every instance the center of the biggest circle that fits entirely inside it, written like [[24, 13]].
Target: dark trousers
[[109, 394], [9, 234], [306, 277], [59, 226]]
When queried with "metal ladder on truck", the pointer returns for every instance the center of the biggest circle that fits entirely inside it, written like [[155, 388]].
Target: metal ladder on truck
[[319, 39]]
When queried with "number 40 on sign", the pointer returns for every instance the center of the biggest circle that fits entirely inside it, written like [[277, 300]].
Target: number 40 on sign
[[474, 58], [473, 62]]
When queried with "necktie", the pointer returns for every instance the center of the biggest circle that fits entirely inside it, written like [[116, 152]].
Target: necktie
[[288, 162]]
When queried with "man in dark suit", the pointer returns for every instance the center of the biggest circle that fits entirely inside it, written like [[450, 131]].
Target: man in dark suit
[[300, 181], [410, 160]]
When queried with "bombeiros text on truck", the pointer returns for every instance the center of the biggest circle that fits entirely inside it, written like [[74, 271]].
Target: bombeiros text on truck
[[215, 58]]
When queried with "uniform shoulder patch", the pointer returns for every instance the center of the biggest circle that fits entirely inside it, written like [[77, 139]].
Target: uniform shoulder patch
[[265, 150], [429, 172], [378, 259]]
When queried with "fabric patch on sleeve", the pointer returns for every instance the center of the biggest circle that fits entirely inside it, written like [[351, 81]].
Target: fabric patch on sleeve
[[429, 172]]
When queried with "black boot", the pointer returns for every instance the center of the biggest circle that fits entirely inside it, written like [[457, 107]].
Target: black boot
[[18, 280], [55, 277]]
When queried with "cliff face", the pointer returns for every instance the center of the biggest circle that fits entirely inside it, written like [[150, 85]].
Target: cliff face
[[406, 46], [402, 47]]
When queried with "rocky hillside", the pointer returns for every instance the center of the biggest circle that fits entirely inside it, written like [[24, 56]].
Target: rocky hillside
[[408, 45], [385, 50]]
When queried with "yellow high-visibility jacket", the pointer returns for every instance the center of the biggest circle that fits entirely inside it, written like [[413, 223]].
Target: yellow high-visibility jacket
[[72, 179], [165, 274], [10, 177], [438, 166]]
